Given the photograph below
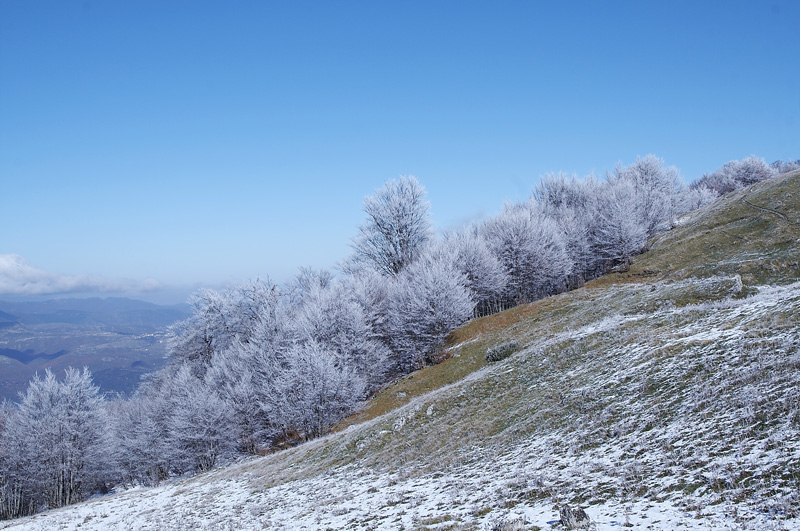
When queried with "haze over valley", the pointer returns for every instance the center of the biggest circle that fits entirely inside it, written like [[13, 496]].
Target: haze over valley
[[118, 339]]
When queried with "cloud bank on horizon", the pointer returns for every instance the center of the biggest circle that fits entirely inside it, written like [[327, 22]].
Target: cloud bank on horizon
[[19, 277]]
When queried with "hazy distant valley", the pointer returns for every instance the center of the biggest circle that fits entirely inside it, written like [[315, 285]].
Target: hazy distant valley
[[118, 339]]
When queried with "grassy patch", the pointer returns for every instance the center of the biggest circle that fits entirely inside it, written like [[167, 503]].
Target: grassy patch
[[753, 232]]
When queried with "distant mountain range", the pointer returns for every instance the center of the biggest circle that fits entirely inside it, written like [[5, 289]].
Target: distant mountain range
[[118, 339]]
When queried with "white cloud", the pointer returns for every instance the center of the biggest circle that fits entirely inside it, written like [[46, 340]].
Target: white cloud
[[18, 277]]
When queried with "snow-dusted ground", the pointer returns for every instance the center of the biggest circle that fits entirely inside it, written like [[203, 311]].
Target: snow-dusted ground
[[675, 417], [356, 499], [350, 498]]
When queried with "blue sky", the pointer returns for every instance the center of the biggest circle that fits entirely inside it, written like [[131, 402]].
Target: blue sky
[[177, 144]]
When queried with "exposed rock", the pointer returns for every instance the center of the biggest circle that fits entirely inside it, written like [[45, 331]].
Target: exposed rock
[[508, 523], [574, 518]]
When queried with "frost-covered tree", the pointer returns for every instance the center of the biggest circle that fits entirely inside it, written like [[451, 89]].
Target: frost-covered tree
[[693, 198], [307, 280], [618, 232], [317, 391], [751, 170], [56, 441], [200, 424], [532, 249], [143, 451], [244, 376], [220, 319], [197, 338], [247, 378], [12, 497], [736, 174], [175, 424], [656, 187], [780, 167], [370, 290], [331, 318], [396, 230], [486, 278], [572, 204], [426, 302], [557, 193]]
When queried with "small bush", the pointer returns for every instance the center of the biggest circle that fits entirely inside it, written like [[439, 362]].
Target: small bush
[[501, 352]]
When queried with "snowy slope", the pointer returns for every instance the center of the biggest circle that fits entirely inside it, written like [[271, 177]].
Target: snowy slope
[[682, 417], [665, 398]]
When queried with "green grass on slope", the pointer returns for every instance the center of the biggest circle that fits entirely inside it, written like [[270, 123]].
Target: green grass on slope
[[753, 232]]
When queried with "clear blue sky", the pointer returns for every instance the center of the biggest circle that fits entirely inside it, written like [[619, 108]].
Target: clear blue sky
[[202, 143]]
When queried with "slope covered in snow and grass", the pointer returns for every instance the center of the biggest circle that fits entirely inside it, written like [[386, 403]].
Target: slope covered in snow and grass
[[665, 397]]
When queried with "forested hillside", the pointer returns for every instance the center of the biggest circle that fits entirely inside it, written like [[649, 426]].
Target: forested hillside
[[659, 382]]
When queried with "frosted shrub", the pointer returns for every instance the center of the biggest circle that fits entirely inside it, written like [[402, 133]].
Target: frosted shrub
[[501, 352]]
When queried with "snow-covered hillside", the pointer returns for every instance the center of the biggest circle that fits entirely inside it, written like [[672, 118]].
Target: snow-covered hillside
[[667, 417], [664, 397]]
